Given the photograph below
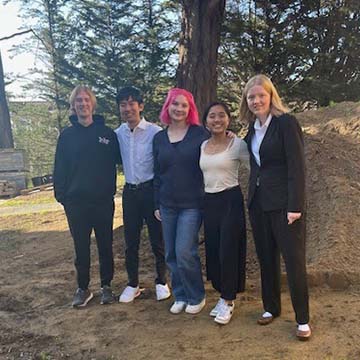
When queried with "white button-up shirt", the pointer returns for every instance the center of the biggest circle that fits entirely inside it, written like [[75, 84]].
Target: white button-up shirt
[[136, 151], [258, 137]]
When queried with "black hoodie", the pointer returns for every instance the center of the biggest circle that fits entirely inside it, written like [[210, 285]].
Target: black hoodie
[[85, 162]]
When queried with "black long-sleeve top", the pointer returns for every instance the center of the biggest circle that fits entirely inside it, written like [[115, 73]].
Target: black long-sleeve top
[[85, 162], [178, 180]]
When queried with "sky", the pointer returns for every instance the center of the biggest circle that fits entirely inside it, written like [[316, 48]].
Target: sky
[[10, 23]]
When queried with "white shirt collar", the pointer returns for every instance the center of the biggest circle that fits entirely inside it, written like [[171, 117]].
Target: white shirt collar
[[257, 125], [141, 125]]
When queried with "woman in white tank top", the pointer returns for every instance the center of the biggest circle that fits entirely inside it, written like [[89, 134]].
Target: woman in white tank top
[[224, 216]]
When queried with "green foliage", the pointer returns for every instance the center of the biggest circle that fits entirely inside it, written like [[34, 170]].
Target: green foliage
[[52, 43], [123, 43], [35, 131], [104, 44], [309, 48]]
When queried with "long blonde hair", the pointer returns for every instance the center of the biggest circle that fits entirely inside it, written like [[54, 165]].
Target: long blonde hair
[[277, 107]]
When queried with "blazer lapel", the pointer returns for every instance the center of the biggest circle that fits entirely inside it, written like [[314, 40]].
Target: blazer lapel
[[248, 138], [268, 135]]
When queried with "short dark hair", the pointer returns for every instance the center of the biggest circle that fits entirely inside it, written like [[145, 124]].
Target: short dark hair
[[207, 110], [129, 92]]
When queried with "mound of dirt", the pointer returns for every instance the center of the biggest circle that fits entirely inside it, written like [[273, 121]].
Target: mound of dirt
[[332, 137]]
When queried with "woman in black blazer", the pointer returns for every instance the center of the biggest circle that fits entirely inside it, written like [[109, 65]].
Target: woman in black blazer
[[276, 198]]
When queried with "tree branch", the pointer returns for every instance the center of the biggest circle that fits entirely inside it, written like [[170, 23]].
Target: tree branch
[[16, 34], [25, 32]]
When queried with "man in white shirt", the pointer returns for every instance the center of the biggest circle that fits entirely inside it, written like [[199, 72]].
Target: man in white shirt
[[135, 138]]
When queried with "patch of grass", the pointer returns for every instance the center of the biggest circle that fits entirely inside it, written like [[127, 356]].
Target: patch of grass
[[120, 181], [46, 212], [47, 197], [44, 356], [34, 199]]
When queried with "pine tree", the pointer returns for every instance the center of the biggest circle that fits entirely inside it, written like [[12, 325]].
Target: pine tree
[[123, 43]]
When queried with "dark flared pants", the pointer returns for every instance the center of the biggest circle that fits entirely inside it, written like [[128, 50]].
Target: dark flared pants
[[138, 205], [82, 219], [225, 241], [273, 236]]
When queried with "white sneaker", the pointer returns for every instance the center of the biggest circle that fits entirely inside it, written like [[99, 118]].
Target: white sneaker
[[129, 294], [194, 309], [162, 292], [177, 307], [216, 309], [225, 313]]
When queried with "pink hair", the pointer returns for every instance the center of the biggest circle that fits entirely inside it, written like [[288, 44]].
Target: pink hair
[[193, 117]]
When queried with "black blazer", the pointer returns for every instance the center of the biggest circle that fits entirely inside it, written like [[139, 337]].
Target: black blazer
[[281, 176]]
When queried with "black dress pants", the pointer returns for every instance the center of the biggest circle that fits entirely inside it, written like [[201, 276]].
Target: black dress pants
[[82, 219], [225, 241], [138, 205], [272, 236]]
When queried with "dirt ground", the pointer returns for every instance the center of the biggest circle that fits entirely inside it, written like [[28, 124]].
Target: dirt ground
[[37, 279]]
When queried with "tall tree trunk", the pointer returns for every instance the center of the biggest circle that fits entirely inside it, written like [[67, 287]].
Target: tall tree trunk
[[198, 47], [51, 9], [6, 138]]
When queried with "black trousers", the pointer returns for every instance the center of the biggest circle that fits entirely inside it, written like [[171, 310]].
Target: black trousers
[[138, 205], [225, 241], [82, 219], [273, 236]]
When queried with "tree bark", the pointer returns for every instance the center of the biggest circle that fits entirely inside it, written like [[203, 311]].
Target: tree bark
[[6, 138], [198, 47]]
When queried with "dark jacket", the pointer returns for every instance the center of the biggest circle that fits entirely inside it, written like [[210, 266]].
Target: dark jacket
[[178, 180], [281, 176], [85, 162]]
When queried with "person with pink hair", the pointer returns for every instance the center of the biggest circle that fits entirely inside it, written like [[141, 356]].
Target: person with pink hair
[[179, 191]]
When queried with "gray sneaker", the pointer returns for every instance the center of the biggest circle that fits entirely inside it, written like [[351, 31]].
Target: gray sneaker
[[107, 296], [82, 297]]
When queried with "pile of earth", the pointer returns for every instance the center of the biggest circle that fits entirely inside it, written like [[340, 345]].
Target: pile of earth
[[332, 147]]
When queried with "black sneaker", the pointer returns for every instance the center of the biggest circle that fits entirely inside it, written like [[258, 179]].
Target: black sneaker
[[82, 297], [107, 296]]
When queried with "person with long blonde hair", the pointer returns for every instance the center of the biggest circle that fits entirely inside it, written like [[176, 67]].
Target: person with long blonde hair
[[276, 198]]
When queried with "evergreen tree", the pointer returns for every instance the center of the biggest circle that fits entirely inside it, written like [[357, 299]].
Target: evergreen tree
[[309, 48], [52, 42], [123, 43]]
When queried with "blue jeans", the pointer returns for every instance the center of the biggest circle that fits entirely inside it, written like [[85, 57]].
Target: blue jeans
[[180, 232]]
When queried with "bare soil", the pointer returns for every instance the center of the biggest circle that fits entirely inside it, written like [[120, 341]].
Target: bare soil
[[37, 279]]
